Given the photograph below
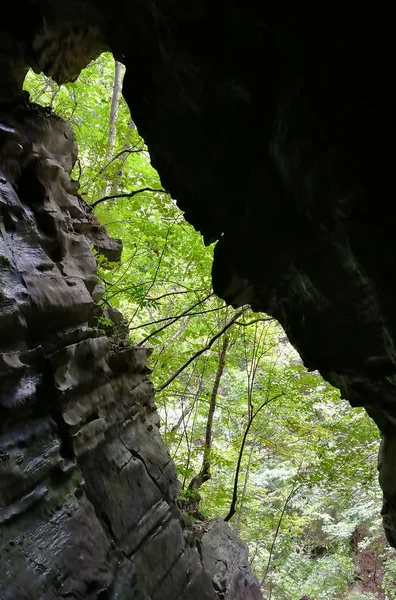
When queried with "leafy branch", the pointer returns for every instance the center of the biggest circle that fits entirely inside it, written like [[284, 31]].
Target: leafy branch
[[202, 350]]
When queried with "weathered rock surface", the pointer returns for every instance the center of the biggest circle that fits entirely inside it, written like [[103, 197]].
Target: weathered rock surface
[[87, 488], [225, 558]]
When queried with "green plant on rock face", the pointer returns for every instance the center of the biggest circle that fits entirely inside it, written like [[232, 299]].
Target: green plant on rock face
[[103, 322]]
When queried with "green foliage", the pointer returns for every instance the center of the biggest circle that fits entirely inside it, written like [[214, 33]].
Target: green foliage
[[389, 581], [325, 578], [308, 472], [361, 596]]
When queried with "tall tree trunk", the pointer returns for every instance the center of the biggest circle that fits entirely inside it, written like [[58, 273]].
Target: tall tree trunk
[[111, 187], [205, 474], [115, 104], [124, 156]]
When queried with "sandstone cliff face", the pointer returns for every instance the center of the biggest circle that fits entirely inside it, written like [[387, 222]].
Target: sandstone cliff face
[[87, 488]]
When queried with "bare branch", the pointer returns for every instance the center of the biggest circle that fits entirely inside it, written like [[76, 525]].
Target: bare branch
[[55, 92], [173, 294], [185, 412], [183, 314], [264, 320], [125, 151], [78, 163], [47, 84], [159, 260], [129, 195], [176, 317]]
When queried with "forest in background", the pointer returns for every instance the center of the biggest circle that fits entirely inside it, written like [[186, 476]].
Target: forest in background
[[256, 438]]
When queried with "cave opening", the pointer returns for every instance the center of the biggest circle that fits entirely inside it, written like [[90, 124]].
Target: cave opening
[[279, 169]]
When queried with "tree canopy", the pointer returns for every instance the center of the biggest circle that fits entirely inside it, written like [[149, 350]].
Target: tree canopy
[[256, 438]]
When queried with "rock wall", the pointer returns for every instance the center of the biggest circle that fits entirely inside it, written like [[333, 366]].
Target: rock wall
[[272, 129], [87, 488]]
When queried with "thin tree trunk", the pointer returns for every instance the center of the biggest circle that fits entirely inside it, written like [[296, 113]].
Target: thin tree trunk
[[192, 431], [205, 474], [234, 500], [55, 91], [238, 520], [185, 412], [289, 497], [115, 103], [212, 407], [127, 147]]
